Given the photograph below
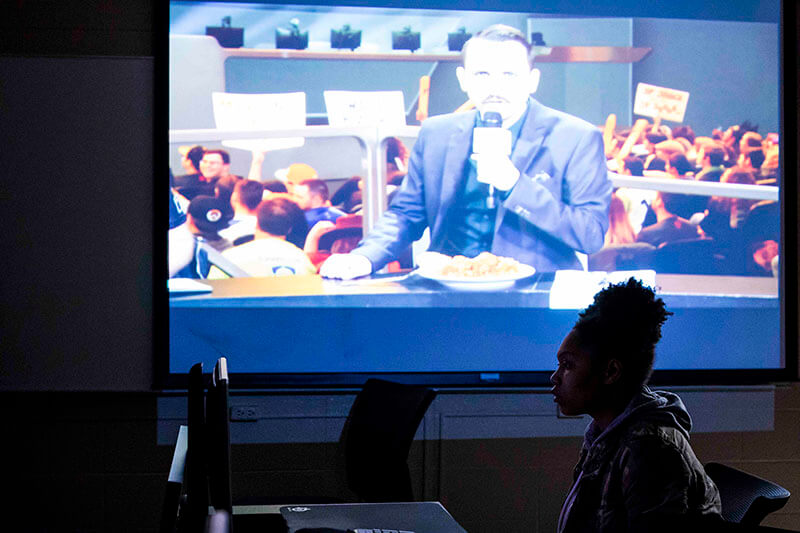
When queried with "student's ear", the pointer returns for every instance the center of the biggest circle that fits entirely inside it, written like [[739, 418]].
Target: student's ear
[[613, 373]]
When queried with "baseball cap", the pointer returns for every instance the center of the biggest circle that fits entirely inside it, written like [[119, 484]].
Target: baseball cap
[[210, 214]]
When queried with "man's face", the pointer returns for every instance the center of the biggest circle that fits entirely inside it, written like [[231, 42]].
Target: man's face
[[211, 165], [302, 196], [497, 77], [187, 164], [575, 386]]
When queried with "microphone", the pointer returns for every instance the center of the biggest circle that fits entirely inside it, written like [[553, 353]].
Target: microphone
[[490, 138]]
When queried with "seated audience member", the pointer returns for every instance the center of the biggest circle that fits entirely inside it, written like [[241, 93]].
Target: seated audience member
[[354, 203], [710, 158], [190, 158], [246, 196], [667, 149], [395, 178], [620, 230], [752, 160], [725, 214], [770, 168], [206, 217], [276, 186], [632, 166], [763, 259], [270, 253], [299, 231], [216, 164], [637, 201], [651, 139], [348, 197], [204, 183], [656, 163], [684, 132], [294, 174], [223, 189], [700, 143], [397, 156], [669, 227], [733, 136], [636, 469], [312, 197], [678, 166], [180, 241], [190, 185], [751, 140]]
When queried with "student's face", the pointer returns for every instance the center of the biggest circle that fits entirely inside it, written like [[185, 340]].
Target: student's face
[[497, 77], [575, 386], [211, 165]]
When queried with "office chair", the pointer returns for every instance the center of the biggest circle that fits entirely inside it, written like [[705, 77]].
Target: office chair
[[377, 438], [172, 494], [219, 522], [746, 499]]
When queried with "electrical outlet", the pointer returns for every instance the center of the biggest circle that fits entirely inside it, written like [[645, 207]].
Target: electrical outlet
[[244, 413]]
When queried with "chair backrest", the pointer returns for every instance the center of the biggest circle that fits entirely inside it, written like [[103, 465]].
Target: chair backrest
[[219, 439], [172, 493], [195, 509], [219, 522], [377, 438], [746, 499]]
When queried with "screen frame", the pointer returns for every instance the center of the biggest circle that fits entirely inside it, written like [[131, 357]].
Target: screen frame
[[744, 10]]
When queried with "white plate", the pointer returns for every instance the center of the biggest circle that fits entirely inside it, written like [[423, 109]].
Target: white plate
[[486, 283]]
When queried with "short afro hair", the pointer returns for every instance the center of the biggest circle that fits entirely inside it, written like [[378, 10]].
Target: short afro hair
[[624, 323]]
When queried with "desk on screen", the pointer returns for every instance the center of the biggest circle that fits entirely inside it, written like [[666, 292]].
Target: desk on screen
[[307, 324]]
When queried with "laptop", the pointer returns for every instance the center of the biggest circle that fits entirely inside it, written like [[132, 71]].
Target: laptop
[[416, 517]]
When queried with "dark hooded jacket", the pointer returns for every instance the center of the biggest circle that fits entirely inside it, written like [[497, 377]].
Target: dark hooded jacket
[[639, 469]]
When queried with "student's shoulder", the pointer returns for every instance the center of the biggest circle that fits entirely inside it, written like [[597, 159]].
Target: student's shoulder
[[647, 442]]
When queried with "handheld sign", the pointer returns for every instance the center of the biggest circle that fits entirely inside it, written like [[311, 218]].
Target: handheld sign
[[365, 108], [260, 112], [660, 102]]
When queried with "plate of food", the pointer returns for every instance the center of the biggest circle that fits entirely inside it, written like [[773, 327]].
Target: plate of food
[[486, 272]]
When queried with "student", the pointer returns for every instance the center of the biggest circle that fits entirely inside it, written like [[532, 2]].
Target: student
[[636, 467]]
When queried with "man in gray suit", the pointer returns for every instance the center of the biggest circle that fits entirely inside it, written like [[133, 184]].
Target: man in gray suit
[[542, 202]]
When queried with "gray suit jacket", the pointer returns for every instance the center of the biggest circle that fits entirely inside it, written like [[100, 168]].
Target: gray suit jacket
[[558, 206]]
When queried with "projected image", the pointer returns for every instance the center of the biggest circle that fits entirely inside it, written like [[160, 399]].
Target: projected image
[[336, 157]]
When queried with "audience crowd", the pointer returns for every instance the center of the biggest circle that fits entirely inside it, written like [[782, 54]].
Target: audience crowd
[[693, 233], [276, 227]]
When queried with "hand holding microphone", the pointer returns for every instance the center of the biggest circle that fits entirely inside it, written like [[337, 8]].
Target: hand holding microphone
[[491, 151]]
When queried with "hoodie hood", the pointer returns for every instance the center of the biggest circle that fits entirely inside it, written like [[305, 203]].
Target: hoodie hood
[[649, 408]]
